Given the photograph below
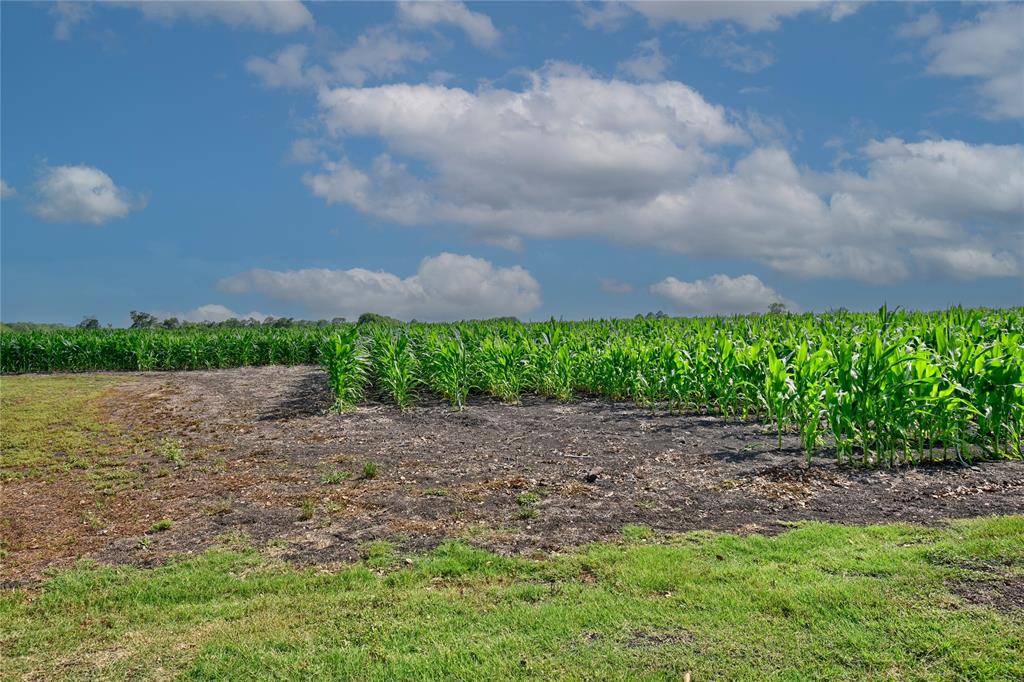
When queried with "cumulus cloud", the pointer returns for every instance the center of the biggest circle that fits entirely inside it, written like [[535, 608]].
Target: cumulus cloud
[[286, 69], [647, 63], [377, 53], [755, 15], [568, 137], [478, 27], [573, 155], [446, 287], [81, 194], [271, 16], [989, 49], [6, 191], [212, 312], [720, 294], [614, 286], [966, 262]]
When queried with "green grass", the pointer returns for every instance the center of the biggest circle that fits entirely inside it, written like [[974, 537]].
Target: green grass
[[54, 423], [335, 477], [819, 602], [161, 525]]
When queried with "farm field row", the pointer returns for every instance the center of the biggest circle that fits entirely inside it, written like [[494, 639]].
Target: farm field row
[[881, 388]]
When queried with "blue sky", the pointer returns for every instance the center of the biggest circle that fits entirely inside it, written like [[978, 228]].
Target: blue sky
[[439, 161]]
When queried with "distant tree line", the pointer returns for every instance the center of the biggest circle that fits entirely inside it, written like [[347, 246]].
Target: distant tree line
[[144, 320]]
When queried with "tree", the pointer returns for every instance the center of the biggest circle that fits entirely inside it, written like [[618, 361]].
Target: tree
[[141, 320], [777, 309], [171, 323], [89, 322]]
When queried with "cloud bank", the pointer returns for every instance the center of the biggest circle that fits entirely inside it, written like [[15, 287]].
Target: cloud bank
[[574, 155], [445, 287]]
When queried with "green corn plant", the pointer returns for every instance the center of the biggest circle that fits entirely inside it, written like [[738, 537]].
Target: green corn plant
[[447, 367], [347, 367], [778, 392], [885, 388], [504, 367], [395, 368], [810, 373]]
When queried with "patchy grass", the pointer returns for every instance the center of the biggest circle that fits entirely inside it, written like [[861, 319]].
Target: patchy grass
[[818, 602], [637, 532], [335, 476], [161, 525], [172, 451], [53, 424]]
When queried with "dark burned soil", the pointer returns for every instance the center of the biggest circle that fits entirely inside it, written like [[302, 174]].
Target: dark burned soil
[[259, 444]]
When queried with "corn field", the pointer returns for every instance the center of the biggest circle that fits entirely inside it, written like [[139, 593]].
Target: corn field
[[81, 350], [877, 389]]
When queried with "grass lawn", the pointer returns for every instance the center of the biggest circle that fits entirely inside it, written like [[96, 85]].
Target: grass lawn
[[53, 423], [819, 602]]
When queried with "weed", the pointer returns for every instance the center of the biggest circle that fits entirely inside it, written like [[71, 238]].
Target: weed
[[527, 499], [334, 477], [307, 509], [172, 451]]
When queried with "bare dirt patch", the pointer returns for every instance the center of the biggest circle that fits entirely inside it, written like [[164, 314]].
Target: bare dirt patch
[[259, 451], [1004, 593]]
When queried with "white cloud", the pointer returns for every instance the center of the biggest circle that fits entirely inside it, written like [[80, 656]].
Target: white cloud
[[989, 49], [212, 312], [614, 286], [81, 194], [923, 26], [287, 69], [271, 16], [966, 262], [647, 63], [68, 15], [571, 155], [736, 55], [378, 53], [566, 137], [6, 191], [446, 287], [609, 16], [720, 294], [755, 15], [478, 27]]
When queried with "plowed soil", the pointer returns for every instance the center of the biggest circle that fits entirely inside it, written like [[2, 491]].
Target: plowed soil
[[263, 461]]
